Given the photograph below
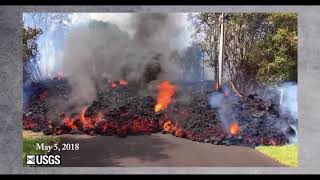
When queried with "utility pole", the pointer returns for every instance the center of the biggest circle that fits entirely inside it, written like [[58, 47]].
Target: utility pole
[[220, 58]]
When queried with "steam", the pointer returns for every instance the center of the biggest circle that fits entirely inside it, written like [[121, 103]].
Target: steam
[[289, 99], [223, 105], [289, 106], [103, 51]]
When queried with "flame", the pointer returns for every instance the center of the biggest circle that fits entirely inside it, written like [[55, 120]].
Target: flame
[[166, 91], [179, 132], [69, 122], [85, 121], [123, 82], [169, 127], [234, 128]]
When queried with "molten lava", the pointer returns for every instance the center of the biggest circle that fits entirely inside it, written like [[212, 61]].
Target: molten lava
[[123, 82], [113, 85], [28, 124], [169, 127], [85, 121], [69, 122], [166, 91], [234, 128]]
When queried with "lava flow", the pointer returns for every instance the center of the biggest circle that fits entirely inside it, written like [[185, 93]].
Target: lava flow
[[69, 122], [122, 111], [85, 121], [171, 128], [123, 82], [166, 91]]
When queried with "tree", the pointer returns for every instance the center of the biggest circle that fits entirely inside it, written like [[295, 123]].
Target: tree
[[243, 31], [259, 48], [30, 54], [277, 53], [207, 36], [191, 61]]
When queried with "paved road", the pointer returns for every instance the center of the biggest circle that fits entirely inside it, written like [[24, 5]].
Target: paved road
[[158, 150]]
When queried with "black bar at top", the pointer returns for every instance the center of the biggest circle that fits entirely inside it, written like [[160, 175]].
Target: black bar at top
[[158, 2]]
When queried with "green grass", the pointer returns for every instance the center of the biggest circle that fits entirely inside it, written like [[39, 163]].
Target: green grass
[[30, 141], [287, 155]]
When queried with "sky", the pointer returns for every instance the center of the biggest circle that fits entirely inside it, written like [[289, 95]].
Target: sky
[[55, 30]]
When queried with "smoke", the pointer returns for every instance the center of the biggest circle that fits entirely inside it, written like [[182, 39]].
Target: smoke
[[102, 51], [289, 99], [287, 96], [223, 105], [288, 103]]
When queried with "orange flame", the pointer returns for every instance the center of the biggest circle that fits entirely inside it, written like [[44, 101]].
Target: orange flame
[[178, 132], [166, 91], [123, 82], [69, 122], [85, 121], [234, 128], [169, 127]]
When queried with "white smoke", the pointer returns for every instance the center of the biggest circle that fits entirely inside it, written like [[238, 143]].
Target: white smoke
[[223, 105], [289, 99], [101, 50]]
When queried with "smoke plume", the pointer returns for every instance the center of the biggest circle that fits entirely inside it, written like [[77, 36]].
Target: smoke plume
[[102, 51], [223, 105], [289, 99]]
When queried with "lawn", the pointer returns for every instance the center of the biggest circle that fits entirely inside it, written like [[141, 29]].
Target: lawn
[[30, 139], [287, 155]]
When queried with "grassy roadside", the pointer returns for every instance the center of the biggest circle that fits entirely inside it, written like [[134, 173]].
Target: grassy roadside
[[287, 155], [30, 139]]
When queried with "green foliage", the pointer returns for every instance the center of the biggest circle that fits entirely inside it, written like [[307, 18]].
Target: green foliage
[[30, 46], [259, 48], [30, 53], [277, 53]]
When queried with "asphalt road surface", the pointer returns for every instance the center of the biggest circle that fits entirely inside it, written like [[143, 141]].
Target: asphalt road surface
[[157, 150]]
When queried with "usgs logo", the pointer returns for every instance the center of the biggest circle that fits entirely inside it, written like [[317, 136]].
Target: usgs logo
[[40, 159]]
